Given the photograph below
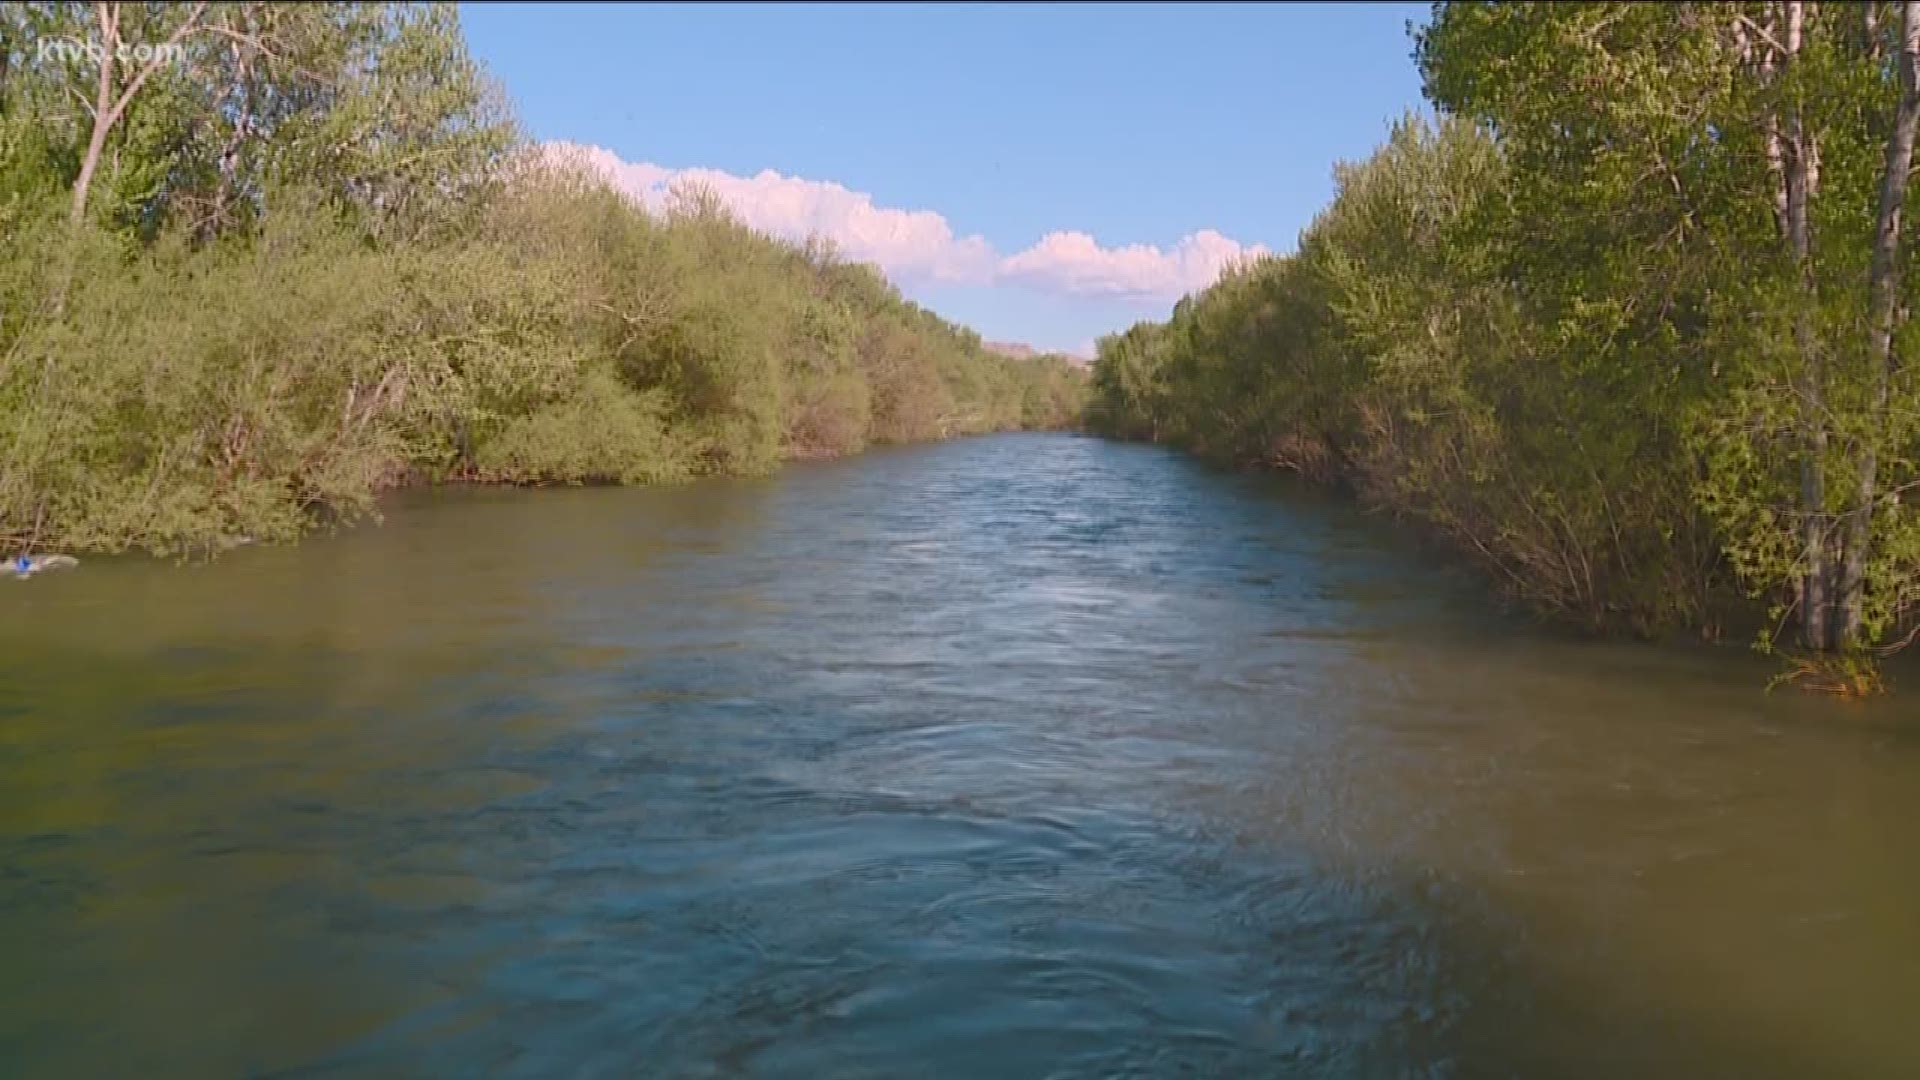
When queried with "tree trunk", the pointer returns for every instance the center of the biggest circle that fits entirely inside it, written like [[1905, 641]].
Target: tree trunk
[[103, 111], [1883, 285], [96, 145], [107, 108], [1794, 161]]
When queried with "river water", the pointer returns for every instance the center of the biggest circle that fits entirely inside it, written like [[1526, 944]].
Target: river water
[[1020, 756]]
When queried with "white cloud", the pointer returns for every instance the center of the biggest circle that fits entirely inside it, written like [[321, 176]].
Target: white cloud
[[920, 245], [1075, 262]]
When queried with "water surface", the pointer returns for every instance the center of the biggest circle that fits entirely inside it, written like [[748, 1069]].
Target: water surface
[[1017, 757]]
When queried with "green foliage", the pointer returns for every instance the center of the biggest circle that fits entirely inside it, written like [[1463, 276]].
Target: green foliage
[[316, 263], [1394, 353], [1582, 327], [1700, 188], [600, 431], [174, 403]]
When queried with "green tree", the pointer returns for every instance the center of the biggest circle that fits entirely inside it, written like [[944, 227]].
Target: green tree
[[1751, 161]]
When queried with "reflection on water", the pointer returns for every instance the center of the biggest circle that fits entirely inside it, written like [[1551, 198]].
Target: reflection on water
[[1020, 756]]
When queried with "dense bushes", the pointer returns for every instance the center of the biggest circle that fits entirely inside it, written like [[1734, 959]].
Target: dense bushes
[[1393, 353], [1628, 324], [285, 294]]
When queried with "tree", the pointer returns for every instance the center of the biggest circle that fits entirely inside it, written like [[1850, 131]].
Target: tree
[[122, 72], [1756, 156]]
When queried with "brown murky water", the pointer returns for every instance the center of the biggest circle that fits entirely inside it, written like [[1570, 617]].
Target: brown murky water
[[1020, 756]]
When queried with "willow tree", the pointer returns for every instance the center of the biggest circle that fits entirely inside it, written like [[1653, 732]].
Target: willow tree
[[1128, 396]]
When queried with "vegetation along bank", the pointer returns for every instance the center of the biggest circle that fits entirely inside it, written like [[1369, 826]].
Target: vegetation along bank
[[1628, 322], [301, 253]]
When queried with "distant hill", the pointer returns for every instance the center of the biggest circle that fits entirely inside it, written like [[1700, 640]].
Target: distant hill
[[1022, 351], [1015, 349]]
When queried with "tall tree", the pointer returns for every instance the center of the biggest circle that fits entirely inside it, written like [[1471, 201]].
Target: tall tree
[[123, 70], [1754, 158]]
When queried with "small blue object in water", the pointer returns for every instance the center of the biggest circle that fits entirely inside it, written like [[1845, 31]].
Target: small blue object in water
[[25, 566]]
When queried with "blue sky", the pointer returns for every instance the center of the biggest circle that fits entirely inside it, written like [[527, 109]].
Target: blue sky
[[1042, 173]]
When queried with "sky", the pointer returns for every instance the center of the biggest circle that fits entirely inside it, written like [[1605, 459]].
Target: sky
[[1042, 173]]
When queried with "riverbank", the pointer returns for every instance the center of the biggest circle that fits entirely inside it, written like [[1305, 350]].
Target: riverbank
[[1726, 635], [1424, 348], [179, 397], [255, 294]]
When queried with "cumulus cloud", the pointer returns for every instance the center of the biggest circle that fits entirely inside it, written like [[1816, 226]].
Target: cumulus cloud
[[1075, 262], [920, 245]]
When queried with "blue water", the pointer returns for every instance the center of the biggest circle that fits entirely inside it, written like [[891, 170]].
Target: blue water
[[1022, 756]]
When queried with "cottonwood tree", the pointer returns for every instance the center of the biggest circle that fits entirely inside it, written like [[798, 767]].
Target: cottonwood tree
[[122, 72], [199, 110], [1725, 184]]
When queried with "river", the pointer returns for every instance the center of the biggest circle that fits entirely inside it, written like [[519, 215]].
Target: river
[[1019, 756]]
